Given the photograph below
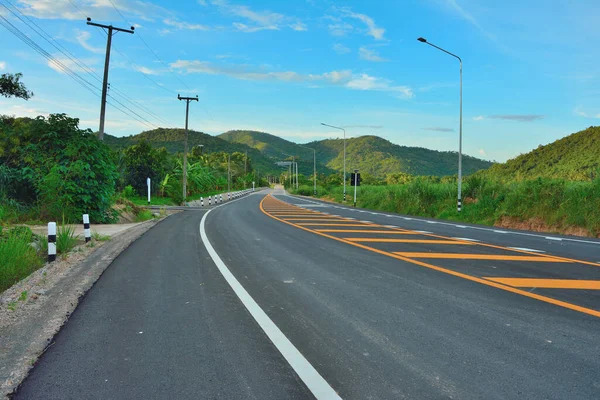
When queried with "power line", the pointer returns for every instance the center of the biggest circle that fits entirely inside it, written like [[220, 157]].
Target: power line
[[73, 75], [45, 35]]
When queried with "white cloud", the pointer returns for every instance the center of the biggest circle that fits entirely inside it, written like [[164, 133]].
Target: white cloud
[[245, 28], [2, 65], [164, 32], [83, 37], [185, 25], [97, 9], [340, 29], [579, 112], [343, 78], [453, 6], [299, 26], [369, 55], [340, 48], [147, 71], [372, 29], [70, 64], [478, 118], [481, 152]]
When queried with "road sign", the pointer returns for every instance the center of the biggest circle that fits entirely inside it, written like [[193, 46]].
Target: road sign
[[354, 180]]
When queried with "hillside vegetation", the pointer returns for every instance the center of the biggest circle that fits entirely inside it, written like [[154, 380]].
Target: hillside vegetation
[[574, 157], [373, 155], [173, 138]]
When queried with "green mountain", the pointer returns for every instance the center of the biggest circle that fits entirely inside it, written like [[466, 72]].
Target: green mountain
[[370, 154], [172, 139], [574, 157]]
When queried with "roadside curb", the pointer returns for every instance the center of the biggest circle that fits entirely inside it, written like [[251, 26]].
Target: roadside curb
[[25, 341]]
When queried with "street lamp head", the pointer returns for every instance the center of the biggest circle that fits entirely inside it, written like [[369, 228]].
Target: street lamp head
[[133, 28], [89, 19], [422, 40]]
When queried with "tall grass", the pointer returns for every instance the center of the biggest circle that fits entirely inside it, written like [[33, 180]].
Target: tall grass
[[65, 238], [19, 258], [559, 203]]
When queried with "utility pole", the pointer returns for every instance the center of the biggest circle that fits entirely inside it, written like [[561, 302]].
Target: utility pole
[[185, 145], [110, 29]]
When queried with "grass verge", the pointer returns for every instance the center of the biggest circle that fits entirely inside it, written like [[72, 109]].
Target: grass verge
[[19, 258]]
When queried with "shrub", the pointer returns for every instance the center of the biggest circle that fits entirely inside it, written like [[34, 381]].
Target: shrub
[[128, 192]]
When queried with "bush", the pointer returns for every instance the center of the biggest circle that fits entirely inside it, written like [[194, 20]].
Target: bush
[[19, 258], [128, 192]]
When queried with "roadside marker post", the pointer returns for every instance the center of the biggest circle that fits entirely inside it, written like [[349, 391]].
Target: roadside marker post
[[220, 198], [355, 181], [209, 200], [148, 183], [86, 228], [253, 186], [51, 241], [201, 201]]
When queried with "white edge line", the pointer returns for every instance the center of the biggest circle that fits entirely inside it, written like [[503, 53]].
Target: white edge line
[[466, 239], [309, 375], [481, 228], [526, 249], [553, 238]]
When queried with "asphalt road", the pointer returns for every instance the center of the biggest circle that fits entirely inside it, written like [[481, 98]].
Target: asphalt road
[[381, 306]]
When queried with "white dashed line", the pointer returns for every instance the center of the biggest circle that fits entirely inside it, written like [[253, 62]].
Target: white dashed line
[[466, 239], [526, 249]]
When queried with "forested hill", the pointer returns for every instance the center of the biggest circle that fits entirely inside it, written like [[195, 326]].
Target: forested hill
[[370, 154], [574, 157], [173, 138]]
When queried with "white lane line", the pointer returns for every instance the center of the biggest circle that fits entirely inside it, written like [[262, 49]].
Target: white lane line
[[366, 222], [526, 249], [309, 375], [390, 226], [597, 243], [553, 238], [422, 231], [460, 226], [466, 239], [431, 222]]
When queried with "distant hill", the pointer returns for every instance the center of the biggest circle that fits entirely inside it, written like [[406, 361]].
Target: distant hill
[[370, 154], [574, 157], [173, 138]]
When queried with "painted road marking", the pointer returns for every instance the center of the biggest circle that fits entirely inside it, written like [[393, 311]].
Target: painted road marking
[[549, 283], [431, 222], [466, 239], [481, 228], [366, 222], [384, 240], [553, 238], [526, 249], [460, 226], [525, 293], [424, 232], [476, 257], [390, 226], [364, 231], [315, 219], [315, 224], [497, 231], [309, 375]]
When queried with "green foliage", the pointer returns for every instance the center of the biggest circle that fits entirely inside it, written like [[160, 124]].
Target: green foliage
[[128, 192], [143, 215], [99, 237], [574, 157], [19, 258], [10, 86], [65, 238], [70, 171], [558, 203], [142, 161]]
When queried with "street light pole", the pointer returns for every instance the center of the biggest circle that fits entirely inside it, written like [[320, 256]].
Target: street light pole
[[459, 200], [314, 168], [185, 145], [337, 127]]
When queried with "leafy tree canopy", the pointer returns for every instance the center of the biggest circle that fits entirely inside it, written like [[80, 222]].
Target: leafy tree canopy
[[10, 86]]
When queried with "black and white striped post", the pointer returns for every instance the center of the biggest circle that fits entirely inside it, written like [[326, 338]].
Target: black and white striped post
[[201, 201], [86, 228], [209, 200], [220, 198], [51, 241], [459, 204]]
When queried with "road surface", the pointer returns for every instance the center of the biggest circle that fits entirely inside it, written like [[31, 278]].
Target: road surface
[[278, 297]]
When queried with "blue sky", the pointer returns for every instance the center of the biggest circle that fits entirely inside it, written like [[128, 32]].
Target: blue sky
[[530, 67]]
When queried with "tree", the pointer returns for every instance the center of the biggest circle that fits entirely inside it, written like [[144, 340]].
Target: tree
[[142, 161], [11, 87]]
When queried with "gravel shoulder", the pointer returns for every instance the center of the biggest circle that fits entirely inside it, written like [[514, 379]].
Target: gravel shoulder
[[27, 326]]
